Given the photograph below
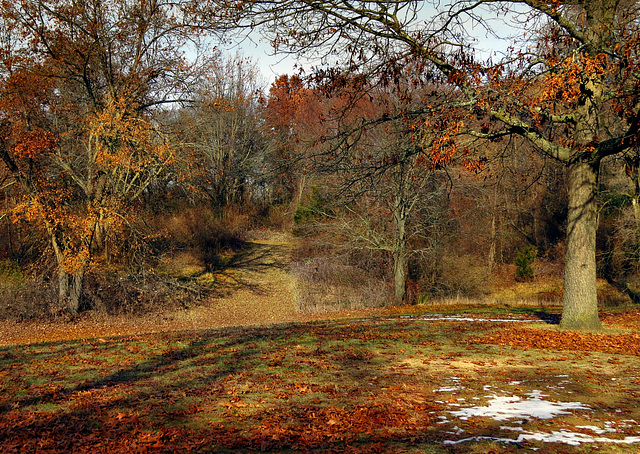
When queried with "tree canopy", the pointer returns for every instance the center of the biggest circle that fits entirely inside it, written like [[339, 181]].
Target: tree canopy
[[570, 87]]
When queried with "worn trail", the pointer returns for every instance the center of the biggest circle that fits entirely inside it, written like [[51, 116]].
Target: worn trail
[[260, 291]]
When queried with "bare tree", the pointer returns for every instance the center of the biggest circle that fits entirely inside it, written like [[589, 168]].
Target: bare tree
[[572, 94], [224, 149]]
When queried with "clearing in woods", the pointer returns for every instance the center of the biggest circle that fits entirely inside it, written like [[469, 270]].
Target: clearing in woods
[[245, 373]]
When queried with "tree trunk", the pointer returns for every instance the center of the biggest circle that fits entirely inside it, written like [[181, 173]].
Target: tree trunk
[[400, 274], [70, 286], [493, 233], [400, 253], [70, 283], [580, 304]]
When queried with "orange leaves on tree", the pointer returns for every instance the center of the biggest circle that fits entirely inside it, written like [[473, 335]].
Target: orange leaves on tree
[[440, 145], [563, 83], [32, 144], [117, 137]]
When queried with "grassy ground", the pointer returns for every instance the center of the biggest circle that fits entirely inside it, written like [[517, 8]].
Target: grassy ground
[[248, 372], [385, 384]]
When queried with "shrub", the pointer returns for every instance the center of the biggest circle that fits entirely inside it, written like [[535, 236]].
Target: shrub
[[24, 298], [524, 260], [453, 276], [137, 293], [328, 283], [206, 234]]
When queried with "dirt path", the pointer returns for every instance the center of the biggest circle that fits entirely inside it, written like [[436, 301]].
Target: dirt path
[[261, 293]]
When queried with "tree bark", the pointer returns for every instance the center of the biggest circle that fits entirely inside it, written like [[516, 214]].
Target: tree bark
[[70, 282], [400, 250], [580, 302], [70, 286], [400, 273]]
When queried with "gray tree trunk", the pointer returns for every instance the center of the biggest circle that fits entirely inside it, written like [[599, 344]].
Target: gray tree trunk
[[400, 250], [70, 283], [580, 303], [400, 273], [70, 286]]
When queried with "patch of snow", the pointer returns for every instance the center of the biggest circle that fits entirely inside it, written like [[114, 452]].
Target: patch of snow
[[503, 408], [447, 389], [572, 438], [561, 436], [597, 430], [455, 386], [456, 431], [458, 318]]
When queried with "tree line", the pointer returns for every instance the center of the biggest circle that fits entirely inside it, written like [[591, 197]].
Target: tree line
[[410, 150]]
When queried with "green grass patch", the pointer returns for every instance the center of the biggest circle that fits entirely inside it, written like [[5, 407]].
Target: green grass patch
[[386, 384]]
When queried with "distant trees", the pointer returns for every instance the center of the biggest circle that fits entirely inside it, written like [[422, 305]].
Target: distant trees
[[379, 191], [223, 147], [572, 94], [99, 99]]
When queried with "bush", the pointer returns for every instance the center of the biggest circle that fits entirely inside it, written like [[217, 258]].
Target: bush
[[137, 293], [24, 298], [206, 234], [328, 283], [455, 276], [524, 260]]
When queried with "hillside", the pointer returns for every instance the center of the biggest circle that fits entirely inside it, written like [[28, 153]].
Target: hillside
[[257, 289]]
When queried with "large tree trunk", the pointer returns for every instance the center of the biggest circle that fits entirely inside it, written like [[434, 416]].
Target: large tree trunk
[[400, 273], [70, 286], [70, 282], [580, 310]]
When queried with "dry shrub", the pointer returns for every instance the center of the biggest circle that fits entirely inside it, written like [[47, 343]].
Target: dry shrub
[[137, 294], [24, 298], [610, 296], [275, 217], [326, 283], [206, 234], [464, 276]]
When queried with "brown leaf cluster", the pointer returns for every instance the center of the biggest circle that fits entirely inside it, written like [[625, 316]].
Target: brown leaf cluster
[[333, 429], [528, 338]]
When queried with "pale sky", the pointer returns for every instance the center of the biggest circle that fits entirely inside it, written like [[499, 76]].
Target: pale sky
[[272, 66]]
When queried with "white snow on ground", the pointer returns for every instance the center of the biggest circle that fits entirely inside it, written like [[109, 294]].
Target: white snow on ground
[[503, 408], [561, 436], [458, 318], [449, 389]]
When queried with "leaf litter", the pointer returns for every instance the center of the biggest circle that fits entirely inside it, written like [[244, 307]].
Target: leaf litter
[[388, 383]]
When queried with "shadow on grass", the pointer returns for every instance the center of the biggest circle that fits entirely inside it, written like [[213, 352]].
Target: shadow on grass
[[548, 318], [139, 406], [240, 269], [313, 387]]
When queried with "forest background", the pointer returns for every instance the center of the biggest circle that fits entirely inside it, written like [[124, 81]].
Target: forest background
[[137, 156]]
